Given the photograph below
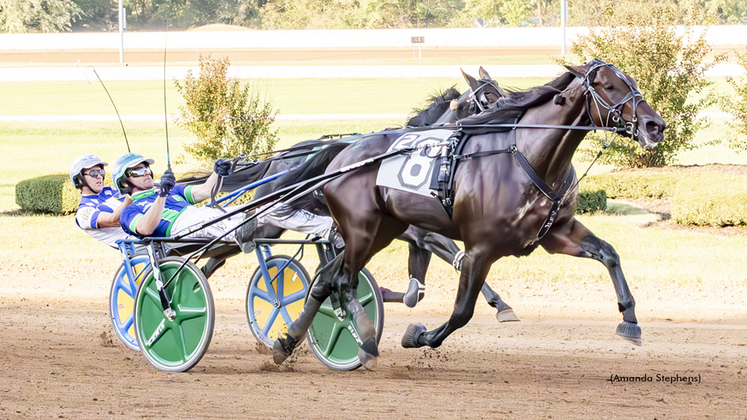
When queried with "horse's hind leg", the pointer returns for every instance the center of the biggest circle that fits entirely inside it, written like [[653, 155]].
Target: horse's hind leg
[[322, 288], [577, 240], [372, 234], [473, 275], [418, 262], [448, 251]]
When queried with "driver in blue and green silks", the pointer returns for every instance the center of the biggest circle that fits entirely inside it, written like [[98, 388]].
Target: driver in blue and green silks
[[168, 209]]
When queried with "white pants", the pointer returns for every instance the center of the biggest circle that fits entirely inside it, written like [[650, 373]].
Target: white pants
[[195, 216], [299, 221]]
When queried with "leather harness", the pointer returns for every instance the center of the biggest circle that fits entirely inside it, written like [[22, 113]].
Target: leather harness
[[443, 178]]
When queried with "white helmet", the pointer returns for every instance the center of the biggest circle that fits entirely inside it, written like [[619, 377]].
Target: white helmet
[[81, 163]]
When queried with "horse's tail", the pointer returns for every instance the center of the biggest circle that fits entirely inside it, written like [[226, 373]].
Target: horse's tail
[[313, 167], [244, 175]]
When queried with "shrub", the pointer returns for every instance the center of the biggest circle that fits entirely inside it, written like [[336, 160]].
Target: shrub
[[700, 203], [48, 194], [668, 65], [591, 201], [229, 119], [633, 184], [711, 195]]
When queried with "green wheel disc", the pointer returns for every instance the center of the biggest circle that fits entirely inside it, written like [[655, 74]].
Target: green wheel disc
[[175, 345], [331, 339]]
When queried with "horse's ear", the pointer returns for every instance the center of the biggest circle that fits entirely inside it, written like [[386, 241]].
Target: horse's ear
[[471, 81], [578, 71], [484, 74]]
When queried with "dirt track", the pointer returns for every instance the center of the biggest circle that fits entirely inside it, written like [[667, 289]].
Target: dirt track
[[58, 358]]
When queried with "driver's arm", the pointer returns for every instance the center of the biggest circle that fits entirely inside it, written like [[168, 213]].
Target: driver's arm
[[202, 192], [147, 224], [106, 220]]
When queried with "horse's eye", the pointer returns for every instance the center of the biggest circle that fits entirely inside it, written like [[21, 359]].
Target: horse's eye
[[609, 88]]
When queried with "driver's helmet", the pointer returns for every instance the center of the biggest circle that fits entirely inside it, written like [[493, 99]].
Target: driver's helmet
[[125, 162], [79, 164]]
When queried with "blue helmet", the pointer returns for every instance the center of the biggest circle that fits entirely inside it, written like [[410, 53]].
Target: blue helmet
[[79, 164], [130, 160]]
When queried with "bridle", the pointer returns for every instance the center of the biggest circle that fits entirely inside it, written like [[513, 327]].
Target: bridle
[[614, 111], [478, 101]]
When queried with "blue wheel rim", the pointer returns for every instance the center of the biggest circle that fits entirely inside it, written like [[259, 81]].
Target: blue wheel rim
[[122, 300], [280, 304]]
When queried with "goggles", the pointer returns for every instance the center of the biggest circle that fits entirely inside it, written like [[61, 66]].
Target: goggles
[[95, 173], [138, 172]]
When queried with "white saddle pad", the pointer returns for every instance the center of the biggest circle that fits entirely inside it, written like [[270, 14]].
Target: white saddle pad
[[412, 172]]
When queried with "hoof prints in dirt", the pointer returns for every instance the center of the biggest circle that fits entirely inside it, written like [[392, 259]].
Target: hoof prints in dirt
[[106, 339]]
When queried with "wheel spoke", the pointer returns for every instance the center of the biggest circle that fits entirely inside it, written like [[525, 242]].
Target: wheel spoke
[[295, 297], [180, 343], [365, 299], [176, 289], [326, 310], [333, 338], [270, 321], [128, 322], [286, 316], [280, 284], [152, 295], [257, 292], [185, 313], [153, 340]]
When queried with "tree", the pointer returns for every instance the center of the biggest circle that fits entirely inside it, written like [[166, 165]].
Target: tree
[[19, 16], [227, 118], [515, 11], [727, 11], [669, 66], [736, 105]]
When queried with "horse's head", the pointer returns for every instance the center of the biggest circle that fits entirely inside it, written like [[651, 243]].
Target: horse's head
[[613, 100], [483, 93]]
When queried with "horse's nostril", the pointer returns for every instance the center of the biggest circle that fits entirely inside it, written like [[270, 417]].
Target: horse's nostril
[[656, 129]]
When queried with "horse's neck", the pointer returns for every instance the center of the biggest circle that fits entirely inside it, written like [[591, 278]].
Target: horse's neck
[[550, 151], [448, 117]]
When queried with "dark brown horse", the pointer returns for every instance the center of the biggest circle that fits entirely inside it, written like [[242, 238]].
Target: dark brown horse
[[442, 108], [514, 190]]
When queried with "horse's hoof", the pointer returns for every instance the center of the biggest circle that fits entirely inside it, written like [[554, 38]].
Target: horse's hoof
[[368, 360], [412, 295], [507, 315], [412, 334], [630, 332], [279, 353], [370, 347]]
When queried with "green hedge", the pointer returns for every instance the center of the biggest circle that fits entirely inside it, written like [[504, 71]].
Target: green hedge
[[711, 200], [48, 194], [632, 184], [591, 201], [710, 195]]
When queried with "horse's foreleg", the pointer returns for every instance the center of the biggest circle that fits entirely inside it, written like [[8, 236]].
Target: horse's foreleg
[[578, 241], [473, 275]]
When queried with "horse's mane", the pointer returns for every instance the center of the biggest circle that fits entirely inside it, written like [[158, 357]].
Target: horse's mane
[[515, 103], [436, 106]]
